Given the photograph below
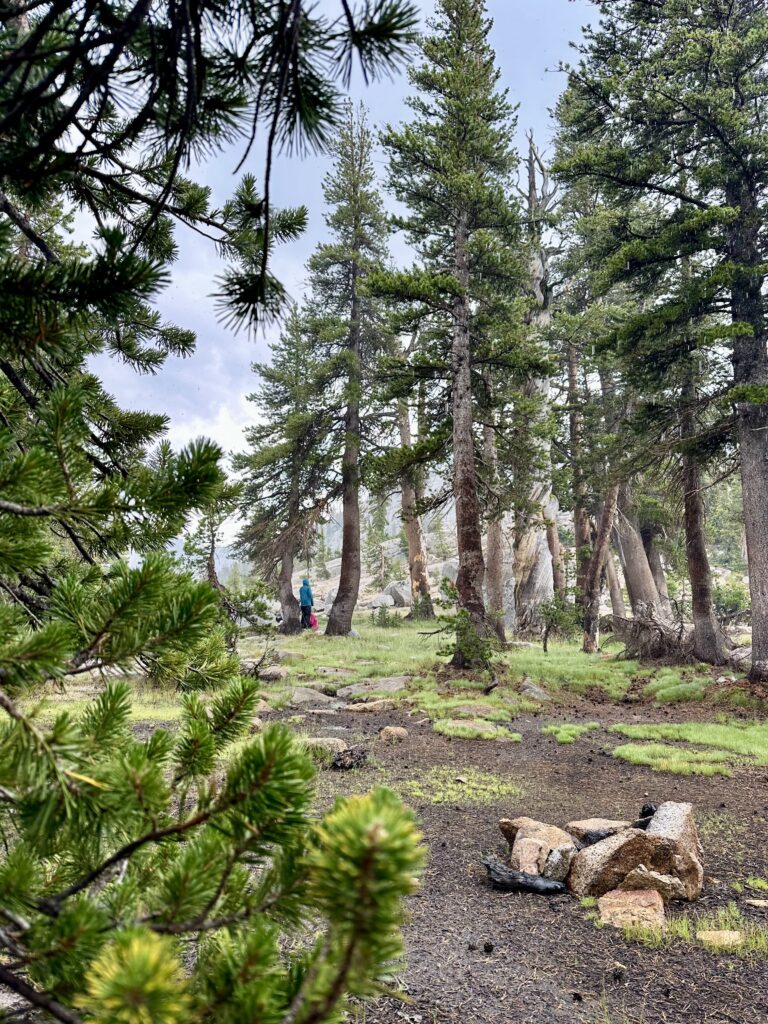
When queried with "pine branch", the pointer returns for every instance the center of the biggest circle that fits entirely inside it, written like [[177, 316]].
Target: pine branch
[[36, 998], [24, 225]]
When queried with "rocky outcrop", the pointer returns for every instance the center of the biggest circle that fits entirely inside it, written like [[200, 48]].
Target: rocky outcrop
[[624, 909], [400, 592], [382, 601]]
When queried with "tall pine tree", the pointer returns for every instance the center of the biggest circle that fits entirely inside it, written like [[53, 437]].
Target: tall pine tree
[[451, 167], [348, 327]]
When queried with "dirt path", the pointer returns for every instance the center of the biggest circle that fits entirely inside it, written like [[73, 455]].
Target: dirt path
[[475, 955]]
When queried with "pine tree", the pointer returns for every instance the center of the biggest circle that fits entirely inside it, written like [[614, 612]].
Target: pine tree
[[451, 167], [289, 474], [377, 562], [348, 327], [115, 849], [668, 105]]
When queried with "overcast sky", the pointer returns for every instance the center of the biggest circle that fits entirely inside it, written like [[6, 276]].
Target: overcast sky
[[206, 394]]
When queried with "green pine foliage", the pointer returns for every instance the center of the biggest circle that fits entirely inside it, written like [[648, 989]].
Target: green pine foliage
[[119, 851]]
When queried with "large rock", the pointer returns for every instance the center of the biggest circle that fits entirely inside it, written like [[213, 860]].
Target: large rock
[[372, 706], [382, 601], [579, 829], [393, 734], [720, 938], [393, 684], [538, 848], [674, 823], [624, 909], [326, 744], [602, 867], [667, 886], [450, 569], [301, 695], [400, 592], [274, 673]]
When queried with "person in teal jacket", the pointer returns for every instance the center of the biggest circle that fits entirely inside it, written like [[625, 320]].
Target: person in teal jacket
[[306, 600]]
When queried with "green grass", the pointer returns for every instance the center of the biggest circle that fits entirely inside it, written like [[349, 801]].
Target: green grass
[[757, 883], [733, 743], [446, 784], [569, 732], [145, 706], [683, 928], [474, 730], [663, 757], [437, 706], [377, 653]]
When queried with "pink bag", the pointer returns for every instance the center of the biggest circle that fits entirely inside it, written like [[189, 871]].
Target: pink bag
[[313, 621]]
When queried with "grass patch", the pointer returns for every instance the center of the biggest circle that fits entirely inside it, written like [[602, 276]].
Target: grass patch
[[747, 739], [145, 706], [445, 784], [474, 730], [436, 706], [569, 732], [685, 928], [662, 757], [757, 883]]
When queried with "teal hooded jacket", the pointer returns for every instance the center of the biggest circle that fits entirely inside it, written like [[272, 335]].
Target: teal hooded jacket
[[306, 600]]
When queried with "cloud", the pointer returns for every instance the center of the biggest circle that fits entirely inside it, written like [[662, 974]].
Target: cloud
[[225, 424]]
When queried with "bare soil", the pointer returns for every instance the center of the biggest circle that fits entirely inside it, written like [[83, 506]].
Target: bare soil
[[476, 955]]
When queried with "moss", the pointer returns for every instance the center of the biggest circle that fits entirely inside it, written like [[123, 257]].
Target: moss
[[569, 732], [747, 739], [445, 784]]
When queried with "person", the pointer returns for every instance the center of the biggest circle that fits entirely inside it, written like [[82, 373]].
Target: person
[[306, 601]]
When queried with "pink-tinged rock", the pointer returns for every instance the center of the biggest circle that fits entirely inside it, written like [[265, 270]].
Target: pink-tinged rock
[[538, 848], [668, 886], [626, 908], [578, 829], [674, 823], [599, 868]]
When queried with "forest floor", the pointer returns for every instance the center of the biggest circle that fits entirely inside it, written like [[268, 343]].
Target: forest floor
[[477, 955]]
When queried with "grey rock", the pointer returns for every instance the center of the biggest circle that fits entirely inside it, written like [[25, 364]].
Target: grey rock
[[301, 695], [394, 684], [669, 887], [382, 601], [400, 592], [450, 569]]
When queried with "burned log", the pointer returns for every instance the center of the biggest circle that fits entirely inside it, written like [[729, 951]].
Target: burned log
[[503, 877]]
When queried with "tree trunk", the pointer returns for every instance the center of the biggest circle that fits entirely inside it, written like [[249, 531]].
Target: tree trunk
[[469, 581], [289, 606], [494, 583], [618, 607], [340, 619], [750, 370], [581, 531], [421, 599], [594, 572], [553, 542], [708, 643], [648, 536], [641, 585]]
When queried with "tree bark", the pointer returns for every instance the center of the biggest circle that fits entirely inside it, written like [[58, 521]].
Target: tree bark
[[553, 542], [289, 605], [618, 607], [470, 578], [581, 530], [494, 583], [750, 370], [340, 619], [708, 643], [648, 535], [421, 599], [594, 572], [641, 585]]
